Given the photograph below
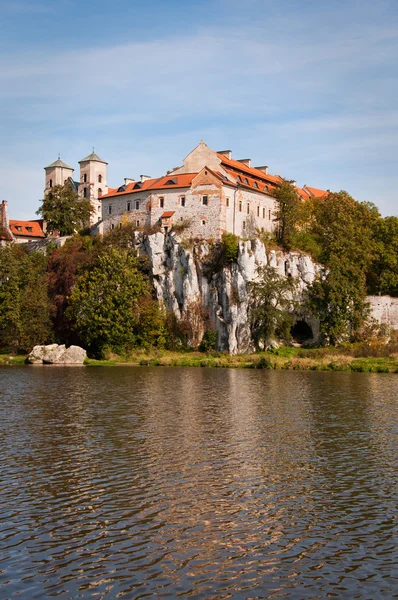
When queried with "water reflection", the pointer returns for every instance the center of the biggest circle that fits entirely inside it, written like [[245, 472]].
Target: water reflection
[[196, 482]]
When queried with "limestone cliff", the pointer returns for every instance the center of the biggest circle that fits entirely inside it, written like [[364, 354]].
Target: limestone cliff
[[185, 287]]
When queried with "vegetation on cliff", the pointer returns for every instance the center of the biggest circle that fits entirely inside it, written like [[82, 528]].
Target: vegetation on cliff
[[96, 292]]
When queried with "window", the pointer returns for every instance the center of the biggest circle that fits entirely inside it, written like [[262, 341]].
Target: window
[[161, 202], [137, 205], [240, 205], [255, 184], [246, 181], [137, 223], [99, 178], [18, 228], [120, 225], [171, 182], [269, 215], [128, 206], [244, 225], [51, 183], [85, 178], [258, 211], [182, 200], [227, 202], [205, 200], [203, 222], [263, 213], [85, 192], [248, 208], [110, 209], [30, 229], [113, 226], [99, 192]]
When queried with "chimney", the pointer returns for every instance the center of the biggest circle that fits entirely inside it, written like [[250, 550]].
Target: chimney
[[264, 169], [4, 214], [246, 161], [294, 183], [127, 180], [226, 153], [144, 178]]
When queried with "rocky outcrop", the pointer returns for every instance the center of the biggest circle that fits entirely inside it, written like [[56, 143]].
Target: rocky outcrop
[[185, 287], [384, 309], [55, 354]]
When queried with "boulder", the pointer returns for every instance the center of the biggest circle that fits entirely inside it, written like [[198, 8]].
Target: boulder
[[55, 354]]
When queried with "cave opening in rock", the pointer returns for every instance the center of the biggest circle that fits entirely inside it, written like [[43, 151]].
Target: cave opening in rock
[[301, 332]]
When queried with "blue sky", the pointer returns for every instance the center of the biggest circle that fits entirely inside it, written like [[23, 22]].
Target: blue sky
[[309, 88]]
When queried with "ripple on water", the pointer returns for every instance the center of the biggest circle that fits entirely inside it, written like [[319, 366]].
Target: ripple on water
[[206, 483]]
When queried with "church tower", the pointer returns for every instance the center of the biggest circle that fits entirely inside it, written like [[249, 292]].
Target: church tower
[[56, 174], [93, 183]]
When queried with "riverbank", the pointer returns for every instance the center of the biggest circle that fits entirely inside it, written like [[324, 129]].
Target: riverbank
[[355, 358]]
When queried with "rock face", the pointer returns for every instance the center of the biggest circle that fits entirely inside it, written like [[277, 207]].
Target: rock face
[[55, 354], [384, 309], [185, 287]]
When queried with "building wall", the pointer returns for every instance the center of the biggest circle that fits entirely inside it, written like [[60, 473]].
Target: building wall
[[93, 169], [247, 221], [58, 176]]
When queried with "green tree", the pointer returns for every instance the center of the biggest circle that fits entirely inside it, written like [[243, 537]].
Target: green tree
[[382, 275], [25, 310], [64, 211], [287, 214], [345, 229], [272, 305], [112, 306]]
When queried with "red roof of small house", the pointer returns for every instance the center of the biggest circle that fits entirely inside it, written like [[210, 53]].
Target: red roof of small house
[[167, 214], [317, 193], [26, 228], [305, 195]]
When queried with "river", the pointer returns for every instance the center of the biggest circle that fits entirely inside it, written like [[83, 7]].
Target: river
[[202, 483]]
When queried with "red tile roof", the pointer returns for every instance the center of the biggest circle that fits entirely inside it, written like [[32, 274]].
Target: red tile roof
[[167, 214], [317, 193], [251, 181], [182, 180], [251, 171], [20, 228]]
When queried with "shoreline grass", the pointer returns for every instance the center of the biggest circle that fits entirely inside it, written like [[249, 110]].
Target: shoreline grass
[[350, 358]]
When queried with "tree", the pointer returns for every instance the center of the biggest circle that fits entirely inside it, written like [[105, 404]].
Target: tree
[[382, 275], [25, 310], [112, 306], [287, 213], [345, 230], [271, 306], [64, 211]]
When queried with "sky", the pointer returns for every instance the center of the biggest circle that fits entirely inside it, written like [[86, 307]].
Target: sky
[[308, 88]]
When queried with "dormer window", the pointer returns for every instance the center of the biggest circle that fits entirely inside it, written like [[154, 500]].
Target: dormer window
[[85, 178], [137, 186], [30, 229], [18, 228], [255, 184], [246, 181], [99, 178], [122, 188], [171, 182]]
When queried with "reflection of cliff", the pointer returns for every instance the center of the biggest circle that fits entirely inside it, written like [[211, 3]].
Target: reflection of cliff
[[180, 282]]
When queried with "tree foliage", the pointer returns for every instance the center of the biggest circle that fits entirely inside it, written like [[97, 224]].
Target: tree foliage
[[287, 214], [64, 211], [112, 306], [25, 309], [272, 305], [382, 276]]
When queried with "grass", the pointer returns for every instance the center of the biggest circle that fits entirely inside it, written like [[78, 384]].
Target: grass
[[354, 358]]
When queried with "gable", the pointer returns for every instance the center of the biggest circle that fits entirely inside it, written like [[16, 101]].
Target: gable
[[200, 157]]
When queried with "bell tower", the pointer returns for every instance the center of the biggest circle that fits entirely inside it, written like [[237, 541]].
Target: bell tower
[[57, 174], [93, 183]]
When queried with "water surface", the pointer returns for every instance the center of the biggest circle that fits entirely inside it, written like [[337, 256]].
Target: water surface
[[201, 483]]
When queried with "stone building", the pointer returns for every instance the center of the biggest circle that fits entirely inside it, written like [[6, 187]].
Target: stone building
[[92, 182], [17, 231], [209, 194]]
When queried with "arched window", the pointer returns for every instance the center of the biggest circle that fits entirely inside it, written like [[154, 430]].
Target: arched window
[[99, 192], [99, 178], [85, 192], [85, 178], [51, 183]]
